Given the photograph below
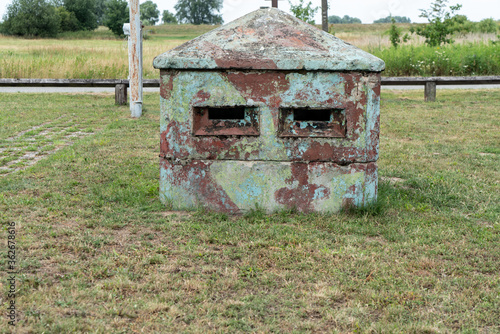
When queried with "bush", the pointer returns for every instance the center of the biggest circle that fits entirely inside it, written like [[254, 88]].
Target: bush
[[395, 35], [31, 18], [451, 60]]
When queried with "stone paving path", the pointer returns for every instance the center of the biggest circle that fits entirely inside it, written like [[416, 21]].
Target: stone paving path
[[28, 147]]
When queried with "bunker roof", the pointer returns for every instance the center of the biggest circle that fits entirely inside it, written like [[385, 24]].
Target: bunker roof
[[268, 39]]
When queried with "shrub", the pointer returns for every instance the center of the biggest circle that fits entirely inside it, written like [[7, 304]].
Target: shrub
[[395, 35], [451, 60]]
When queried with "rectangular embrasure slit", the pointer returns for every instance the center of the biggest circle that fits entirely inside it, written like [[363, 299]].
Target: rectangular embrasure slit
[[312, 115], [221, 113], [226, 121], [312, 122]]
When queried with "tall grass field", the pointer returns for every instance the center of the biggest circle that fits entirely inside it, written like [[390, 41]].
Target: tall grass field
[[87, 55]]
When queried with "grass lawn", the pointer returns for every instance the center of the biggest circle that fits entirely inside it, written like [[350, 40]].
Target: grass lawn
[[97, 252]]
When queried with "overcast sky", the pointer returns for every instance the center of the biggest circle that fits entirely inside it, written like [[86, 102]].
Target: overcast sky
[[366, 10]]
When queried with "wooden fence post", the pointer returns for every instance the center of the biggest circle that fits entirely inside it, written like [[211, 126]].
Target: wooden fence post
[[430, 91], [121, 94]]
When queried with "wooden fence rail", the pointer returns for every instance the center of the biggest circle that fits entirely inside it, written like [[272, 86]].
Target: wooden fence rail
[[431, 83], [121, 85]]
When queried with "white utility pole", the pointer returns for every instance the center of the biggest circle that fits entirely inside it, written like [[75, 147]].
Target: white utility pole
[[135, 60]]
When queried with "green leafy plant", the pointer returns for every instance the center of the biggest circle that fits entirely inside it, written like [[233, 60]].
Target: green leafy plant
[[304, 12], [395, 34], [441, 23]]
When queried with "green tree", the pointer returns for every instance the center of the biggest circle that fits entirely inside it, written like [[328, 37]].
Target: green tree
[[68, 20], [397, 19], [149, 13], [116, 14], [441, 23], [85, 12], [31, 18], [168, 18], [334, 19], [304, 12], [100, 11], [462, 25], [199, 11], [488, 26]]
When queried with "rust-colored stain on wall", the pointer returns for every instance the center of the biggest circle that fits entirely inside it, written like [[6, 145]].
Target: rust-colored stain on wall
[[268, 111]]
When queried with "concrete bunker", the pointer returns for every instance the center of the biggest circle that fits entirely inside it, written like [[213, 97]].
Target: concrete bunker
[[268, 111]]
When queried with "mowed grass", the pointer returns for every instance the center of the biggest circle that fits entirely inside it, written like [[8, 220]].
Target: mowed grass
[[97, 252], [98, 55]]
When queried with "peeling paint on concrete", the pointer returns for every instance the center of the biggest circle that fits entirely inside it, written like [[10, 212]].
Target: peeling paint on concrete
[[278, 76], [234, 186], [325, 90]]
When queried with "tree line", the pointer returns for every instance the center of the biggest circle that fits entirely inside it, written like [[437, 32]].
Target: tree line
[[47, 18]]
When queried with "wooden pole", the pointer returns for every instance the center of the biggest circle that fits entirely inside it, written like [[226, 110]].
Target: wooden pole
[[121, 94], [324, 16]]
